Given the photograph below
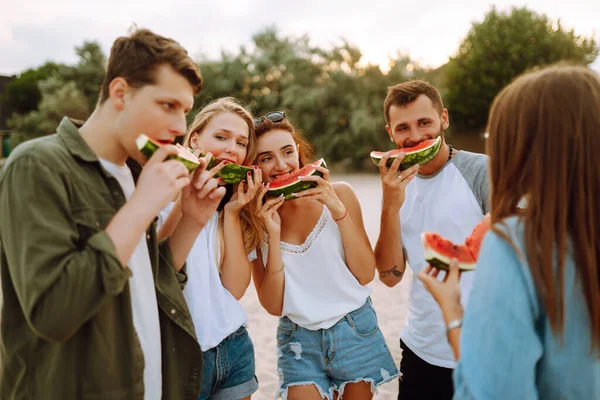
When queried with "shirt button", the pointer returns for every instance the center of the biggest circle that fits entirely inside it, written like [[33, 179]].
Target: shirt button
[[173, 311], [148, 237]]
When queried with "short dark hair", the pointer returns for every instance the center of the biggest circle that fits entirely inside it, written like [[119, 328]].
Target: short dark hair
[[404, 93], [137, 56]]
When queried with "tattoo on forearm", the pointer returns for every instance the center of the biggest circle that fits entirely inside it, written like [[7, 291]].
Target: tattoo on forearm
[[392, 271]]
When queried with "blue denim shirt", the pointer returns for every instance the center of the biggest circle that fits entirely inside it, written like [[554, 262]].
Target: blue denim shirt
[[508, 350]]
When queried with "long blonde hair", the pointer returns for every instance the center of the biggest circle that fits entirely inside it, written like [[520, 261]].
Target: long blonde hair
[[249, 222], [544, 132]]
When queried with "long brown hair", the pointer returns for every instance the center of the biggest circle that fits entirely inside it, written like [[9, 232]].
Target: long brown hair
[[544, 132], [248, 221]]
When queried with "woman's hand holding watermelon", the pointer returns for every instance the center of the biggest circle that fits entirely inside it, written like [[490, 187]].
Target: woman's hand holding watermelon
[[394, 183], [267, 212], [323, 193], [447, 292], [246, 191], [200, 199]]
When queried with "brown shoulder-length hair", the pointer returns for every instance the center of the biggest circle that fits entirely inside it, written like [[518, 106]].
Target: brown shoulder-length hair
[[305, 148], [544, 132]]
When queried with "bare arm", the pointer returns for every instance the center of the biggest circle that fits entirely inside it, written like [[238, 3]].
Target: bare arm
[[235, 270], [199, 201], [168, 227], [270, 281], [389, 252], [357, 248]]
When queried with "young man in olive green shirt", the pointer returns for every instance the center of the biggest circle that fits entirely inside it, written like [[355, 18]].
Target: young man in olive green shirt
[[74, 238]]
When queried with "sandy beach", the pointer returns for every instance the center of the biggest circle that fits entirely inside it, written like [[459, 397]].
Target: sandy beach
[[390, 303]]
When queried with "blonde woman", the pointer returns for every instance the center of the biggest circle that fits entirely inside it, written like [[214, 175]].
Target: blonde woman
[[218, 265]]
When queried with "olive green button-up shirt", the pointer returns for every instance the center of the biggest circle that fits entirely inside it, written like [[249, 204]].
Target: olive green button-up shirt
[[66, 319]]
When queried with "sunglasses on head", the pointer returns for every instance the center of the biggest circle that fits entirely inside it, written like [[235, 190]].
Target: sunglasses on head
[[275, 116]]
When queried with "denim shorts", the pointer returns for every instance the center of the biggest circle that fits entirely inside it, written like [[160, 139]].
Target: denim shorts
[[229, 369], [352, 350]]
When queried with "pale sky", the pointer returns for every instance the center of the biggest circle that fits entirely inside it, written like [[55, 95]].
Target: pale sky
[[35, 31]]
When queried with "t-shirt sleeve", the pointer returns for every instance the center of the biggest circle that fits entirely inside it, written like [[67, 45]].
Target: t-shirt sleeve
[[474, 168]]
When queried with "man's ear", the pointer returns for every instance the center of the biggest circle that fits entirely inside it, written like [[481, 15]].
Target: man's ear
[[117, 90], [389, 131], [445, 119]]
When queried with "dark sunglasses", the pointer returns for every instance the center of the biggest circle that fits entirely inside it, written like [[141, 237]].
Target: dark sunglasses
[[274, 116]]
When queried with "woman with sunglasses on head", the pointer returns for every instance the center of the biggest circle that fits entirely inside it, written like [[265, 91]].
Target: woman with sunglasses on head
[[532, 326], [312, 269], [218, 266]]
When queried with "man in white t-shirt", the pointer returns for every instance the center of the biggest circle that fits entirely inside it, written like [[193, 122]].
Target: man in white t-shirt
[[448, 195]]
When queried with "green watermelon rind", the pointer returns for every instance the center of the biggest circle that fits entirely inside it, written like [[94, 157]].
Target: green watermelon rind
[[231, 173], [419, 157], [147, 147], [297, 187]]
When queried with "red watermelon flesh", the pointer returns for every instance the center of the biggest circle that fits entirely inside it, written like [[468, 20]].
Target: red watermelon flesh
[[289, 184], [440, 251], [473, 242]]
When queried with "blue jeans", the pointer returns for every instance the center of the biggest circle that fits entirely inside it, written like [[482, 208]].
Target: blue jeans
[[352, 350], [229, 369]]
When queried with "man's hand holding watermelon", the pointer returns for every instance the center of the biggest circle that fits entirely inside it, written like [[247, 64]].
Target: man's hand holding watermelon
[[394, 183]]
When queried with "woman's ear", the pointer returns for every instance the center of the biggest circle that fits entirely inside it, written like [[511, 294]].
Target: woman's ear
[[194, 140]]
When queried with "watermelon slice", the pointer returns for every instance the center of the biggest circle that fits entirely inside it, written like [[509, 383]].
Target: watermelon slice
[[439, 251], [148, 146], [419, 154], [231, 173], [290, 184]]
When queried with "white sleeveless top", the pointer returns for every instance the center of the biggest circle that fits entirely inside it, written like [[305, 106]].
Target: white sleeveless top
[[319, 288], [215, 312]]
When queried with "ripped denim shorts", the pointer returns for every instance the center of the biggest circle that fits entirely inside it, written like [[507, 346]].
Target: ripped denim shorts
[[352, 350]]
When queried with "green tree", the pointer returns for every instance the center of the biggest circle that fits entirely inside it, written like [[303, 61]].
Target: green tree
[[23, 94], [59, 98], [498, 49], [88, 74]]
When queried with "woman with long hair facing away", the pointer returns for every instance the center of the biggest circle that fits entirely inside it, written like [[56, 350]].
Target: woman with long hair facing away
[[218, 265], [532, 326], [311, 270]]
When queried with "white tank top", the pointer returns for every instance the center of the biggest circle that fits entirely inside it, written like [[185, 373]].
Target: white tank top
[[215, 312], [319, 288]]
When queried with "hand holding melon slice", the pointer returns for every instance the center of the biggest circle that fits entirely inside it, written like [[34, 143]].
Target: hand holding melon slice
[[419, 154], [440, 251], [230, 173]]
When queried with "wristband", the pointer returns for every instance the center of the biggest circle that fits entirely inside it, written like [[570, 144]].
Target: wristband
[[455, 323]]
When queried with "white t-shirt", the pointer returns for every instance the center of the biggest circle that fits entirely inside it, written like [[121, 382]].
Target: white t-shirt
[[319, 288], [144, 305], [451, 202], [215, 312]]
